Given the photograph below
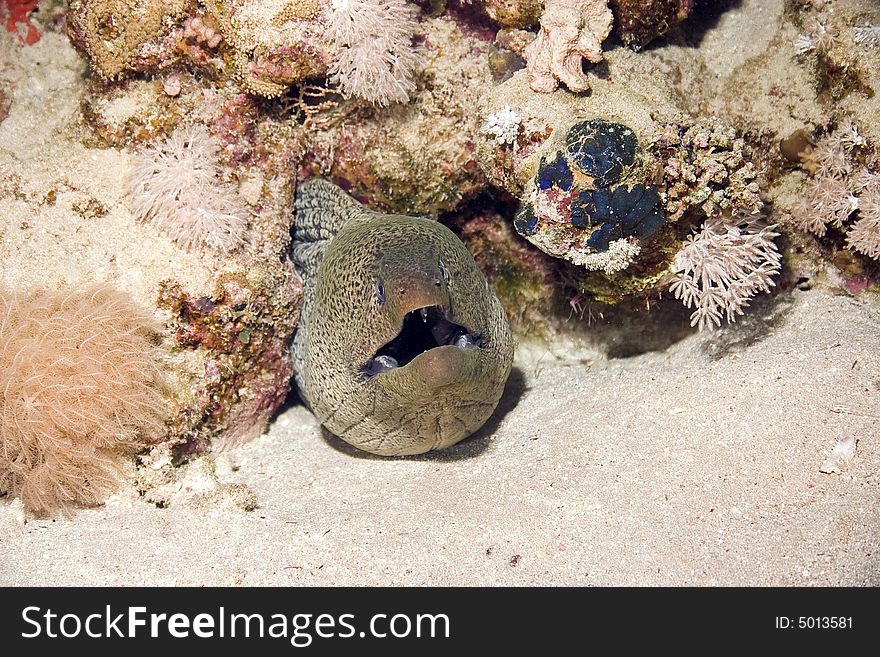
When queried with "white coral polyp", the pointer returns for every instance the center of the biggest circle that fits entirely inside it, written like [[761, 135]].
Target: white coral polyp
[[375, 59], [722, 266], [176, 185], [503, 125]]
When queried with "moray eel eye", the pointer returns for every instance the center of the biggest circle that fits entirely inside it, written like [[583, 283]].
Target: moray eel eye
[[423, 329], [380, 291]]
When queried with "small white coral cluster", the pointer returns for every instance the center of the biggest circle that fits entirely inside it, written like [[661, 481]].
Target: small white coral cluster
[[503, 125], [722, 266], [820, 36], [177, 185], [840, 189], [375, 58]]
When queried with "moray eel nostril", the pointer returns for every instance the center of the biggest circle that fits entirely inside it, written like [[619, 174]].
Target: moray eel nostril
[[401, 346]]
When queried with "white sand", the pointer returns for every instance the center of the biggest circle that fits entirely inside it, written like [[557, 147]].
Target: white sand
[[695, 465]]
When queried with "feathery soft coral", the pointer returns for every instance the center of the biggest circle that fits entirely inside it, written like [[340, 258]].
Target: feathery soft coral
[[80, 386], [722, 266], [375, 59], [841, 188]]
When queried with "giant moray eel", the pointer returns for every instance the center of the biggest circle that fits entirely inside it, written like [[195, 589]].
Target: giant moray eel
[[402, 347]]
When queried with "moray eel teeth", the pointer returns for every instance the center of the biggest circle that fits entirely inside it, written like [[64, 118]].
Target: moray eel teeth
[[415, 338]]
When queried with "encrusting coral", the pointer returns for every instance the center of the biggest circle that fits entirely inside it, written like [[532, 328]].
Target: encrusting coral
[[571, 31], [723, 265], [81, 383], [176, 185]]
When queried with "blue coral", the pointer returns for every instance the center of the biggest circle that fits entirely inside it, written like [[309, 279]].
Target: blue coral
[[601, 149], [621, 212], [526, 222], [556, 173]]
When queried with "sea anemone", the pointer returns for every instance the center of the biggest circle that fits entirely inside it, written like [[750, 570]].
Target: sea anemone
[[81, 387]]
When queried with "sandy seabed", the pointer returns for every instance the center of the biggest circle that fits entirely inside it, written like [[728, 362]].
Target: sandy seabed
[[699, 464]]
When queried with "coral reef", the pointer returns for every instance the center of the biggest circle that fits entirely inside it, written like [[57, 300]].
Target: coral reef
[[263, 45], [242, 334], [705, 167], [514, 13], [571, 31], [723, 265], [111, 32], [176, 185], [524, 279], [274, 43], [638, 22], [375, 59], [417, 158], [81, 378]]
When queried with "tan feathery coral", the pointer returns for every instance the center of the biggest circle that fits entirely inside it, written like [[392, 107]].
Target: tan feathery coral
[[864, 235], [571, 30], [839, 190], [723, 265], [177, 186], [80, 381]]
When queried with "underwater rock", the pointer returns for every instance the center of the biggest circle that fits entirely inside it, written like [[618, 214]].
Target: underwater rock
[[638, 22], [263, 45], [563, 205], [514, 13], [418, 158], [601, 149]]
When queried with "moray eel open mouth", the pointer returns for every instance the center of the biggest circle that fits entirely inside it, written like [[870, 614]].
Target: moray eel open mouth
[[423, 329]]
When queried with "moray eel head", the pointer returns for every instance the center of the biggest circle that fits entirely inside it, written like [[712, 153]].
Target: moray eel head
[[402, 346], [413, 294]]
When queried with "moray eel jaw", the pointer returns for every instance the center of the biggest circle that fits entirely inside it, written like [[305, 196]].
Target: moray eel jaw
[[423, 331]]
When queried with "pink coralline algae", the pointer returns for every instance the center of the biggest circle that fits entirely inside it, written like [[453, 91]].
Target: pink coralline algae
[[18, 20], [571, 31]]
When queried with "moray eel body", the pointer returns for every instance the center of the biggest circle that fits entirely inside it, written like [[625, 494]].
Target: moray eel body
[[402, 347]]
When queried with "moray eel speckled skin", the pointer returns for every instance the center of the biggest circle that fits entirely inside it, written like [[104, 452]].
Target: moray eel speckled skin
[[402, 347]]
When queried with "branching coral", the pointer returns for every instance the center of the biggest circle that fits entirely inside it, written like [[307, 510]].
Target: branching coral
[[571, 31], [177, 186], [722, 266], [375, 58], [80, 381]]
